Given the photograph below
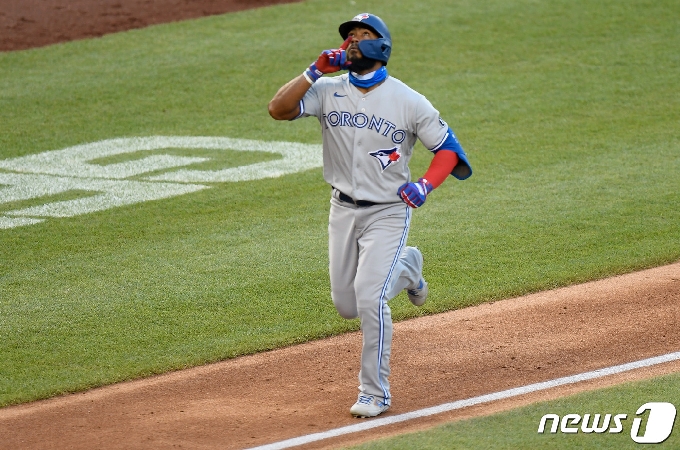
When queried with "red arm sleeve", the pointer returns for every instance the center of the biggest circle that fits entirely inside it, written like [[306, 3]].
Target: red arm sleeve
[[441, 166]]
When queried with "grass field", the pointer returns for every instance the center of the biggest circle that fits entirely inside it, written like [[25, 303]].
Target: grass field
[[568, 110]]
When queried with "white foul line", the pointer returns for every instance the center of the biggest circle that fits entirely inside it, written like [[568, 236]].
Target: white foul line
[[374, 423]]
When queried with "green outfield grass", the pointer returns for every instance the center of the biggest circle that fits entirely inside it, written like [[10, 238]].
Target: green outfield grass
[[569, 112], [518, 428]]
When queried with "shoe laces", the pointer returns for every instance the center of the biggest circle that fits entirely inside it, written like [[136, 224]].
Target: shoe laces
[[415, 291], [365, 399]]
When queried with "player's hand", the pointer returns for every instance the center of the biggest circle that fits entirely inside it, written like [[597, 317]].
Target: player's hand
[[415, 194], [329, 61]]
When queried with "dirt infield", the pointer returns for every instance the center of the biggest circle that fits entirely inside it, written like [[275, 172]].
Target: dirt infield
[[35, 23], [277, 395]]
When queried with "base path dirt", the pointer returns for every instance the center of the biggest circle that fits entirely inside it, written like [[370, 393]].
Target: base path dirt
[[269, 397]]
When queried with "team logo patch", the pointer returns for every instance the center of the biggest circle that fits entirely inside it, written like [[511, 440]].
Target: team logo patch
[[386, 157], [360, 17]]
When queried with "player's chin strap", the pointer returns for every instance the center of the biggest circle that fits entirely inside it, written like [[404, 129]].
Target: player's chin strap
[[369, 79]]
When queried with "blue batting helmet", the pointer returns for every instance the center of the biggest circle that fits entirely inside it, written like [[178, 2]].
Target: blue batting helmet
[[379, 49]]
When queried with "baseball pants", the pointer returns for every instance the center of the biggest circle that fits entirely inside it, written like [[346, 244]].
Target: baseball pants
[[366, 270]]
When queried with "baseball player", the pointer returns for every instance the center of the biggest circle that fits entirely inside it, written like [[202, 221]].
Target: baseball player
[[370, 122]]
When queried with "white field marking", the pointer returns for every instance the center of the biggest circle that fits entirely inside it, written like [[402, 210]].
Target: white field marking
[[296, 158], [12, 222], [110, 193], [59, 171], [375, 423], [73, 161]]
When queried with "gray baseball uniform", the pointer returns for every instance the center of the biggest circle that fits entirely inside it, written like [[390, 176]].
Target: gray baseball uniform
[[368, 141], [368, 138]]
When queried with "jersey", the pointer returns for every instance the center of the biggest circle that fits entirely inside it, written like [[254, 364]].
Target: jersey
[[368, 139]]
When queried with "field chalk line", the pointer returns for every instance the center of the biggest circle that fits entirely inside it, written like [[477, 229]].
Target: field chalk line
[[375, 423]]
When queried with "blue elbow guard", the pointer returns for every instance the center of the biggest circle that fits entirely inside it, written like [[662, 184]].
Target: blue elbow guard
[[463, 170]]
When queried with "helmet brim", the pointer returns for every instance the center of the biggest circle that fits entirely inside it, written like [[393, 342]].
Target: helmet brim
[[346, 27]]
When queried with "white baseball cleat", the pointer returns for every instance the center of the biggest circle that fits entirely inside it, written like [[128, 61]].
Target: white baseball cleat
[[419, 294], [368, 406]]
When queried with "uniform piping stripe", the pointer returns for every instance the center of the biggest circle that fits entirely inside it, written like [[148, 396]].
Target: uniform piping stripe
[[302, 111], [381, 303], [436, 147]]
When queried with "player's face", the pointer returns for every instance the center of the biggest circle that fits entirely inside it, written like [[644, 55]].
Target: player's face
[[359, 63], [358, 34]]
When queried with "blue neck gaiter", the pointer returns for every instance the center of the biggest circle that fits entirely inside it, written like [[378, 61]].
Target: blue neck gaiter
[[368, 80]]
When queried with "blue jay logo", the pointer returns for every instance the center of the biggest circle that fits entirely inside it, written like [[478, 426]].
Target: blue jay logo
[[386, 156]]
